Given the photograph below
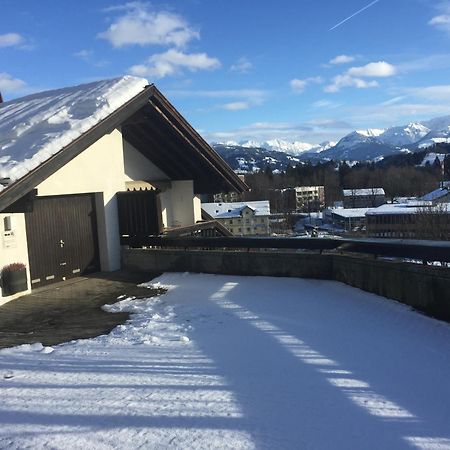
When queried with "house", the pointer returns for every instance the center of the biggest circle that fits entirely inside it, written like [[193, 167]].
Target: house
[[348, 219], [241, 218], [309, 198], [79, 165], [414, 220], [364, 198]]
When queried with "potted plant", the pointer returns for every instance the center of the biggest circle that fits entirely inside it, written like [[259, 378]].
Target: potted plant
[[14, 279]]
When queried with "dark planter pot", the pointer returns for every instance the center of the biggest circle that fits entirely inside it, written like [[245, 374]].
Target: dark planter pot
[[14, 282]]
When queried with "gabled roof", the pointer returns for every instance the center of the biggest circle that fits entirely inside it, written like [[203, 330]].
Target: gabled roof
[[42, 132], [224, 210]]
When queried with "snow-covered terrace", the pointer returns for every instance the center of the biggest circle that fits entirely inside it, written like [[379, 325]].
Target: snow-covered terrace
[[238, 362]]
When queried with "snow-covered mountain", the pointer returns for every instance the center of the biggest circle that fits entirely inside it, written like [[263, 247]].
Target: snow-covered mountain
[[279, 145], [374, 143], [361, 145], [404, 135]]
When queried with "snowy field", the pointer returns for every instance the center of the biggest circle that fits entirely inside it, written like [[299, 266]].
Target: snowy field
[[237, 362]]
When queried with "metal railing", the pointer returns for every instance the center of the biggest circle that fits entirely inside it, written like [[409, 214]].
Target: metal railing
[[426, 251]]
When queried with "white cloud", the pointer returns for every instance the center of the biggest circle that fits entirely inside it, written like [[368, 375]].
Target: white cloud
[[253, 94], [342, 59], [172, 62], [239, 99], [85, 55], [141, 25], [353, 77], [89, 57], [236, 106], [325, 104], [11, 39], [442, 20], [373, 69], [342, 81], [10, 84], [298, 85], [314, 131], [242, 65], [438, 93]]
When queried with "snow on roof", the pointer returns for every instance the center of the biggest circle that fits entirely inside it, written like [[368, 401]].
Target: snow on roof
[[35, 127], [234, 209], [436, 194], [363, 192], [407, 208], [349, 212]]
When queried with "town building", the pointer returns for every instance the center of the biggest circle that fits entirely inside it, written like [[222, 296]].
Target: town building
[[84, 166], [309, 198], [413, 220], [364, 198], [227, 197], [348, 219], [242, 218]]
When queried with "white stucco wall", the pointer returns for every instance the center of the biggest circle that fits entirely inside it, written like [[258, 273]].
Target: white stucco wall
[[13, 248], [197, 209], [103, 169], [138, 167], [182, 203]]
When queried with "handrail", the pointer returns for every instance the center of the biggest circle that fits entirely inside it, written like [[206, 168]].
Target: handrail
[[399, 248], [187, 231]]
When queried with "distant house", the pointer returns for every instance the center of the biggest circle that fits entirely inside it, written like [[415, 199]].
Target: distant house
[[349, 219], [309, 198], [364, 198], [242, 218], [415, 219], [79, 165]]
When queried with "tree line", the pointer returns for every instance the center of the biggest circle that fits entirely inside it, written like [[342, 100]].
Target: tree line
[[399, 176]]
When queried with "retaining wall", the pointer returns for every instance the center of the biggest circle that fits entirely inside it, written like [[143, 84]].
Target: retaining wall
[[426, 288]]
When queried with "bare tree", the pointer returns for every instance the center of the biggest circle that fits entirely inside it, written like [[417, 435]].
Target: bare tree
[[433, 222]]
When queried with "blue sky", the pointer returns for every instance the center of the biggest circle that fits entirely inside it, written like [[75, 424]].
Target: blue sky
[[243, 69]]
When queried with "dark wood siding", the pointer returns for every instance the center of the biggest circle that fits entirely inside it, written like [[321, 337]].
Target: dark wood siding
[[62, 238], [139, 213]]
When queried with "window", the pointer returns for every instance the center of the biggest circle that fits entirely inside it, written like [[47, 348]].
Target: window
[[7, 223]]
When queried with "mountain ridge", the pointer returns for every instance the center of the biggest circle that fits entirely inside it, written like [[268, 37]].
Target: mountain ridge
[[361, 145]]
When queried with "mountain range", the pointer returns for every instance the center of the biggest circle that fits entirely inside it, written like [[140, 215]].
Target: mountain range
[[361, 145]]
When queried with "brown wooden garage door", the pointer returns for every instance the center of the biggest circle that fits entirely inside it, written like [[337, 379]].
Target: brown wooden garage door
[[62, 238]]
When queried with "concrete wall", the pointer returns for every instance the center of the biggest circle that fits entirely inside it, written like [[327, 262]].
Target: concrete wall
[[229, 262], [13, 248], [425, 288]]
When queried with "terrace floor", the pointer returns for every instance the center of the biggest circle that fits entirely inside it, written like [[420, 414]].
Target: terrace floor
[[237, 362], [68, 310]]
